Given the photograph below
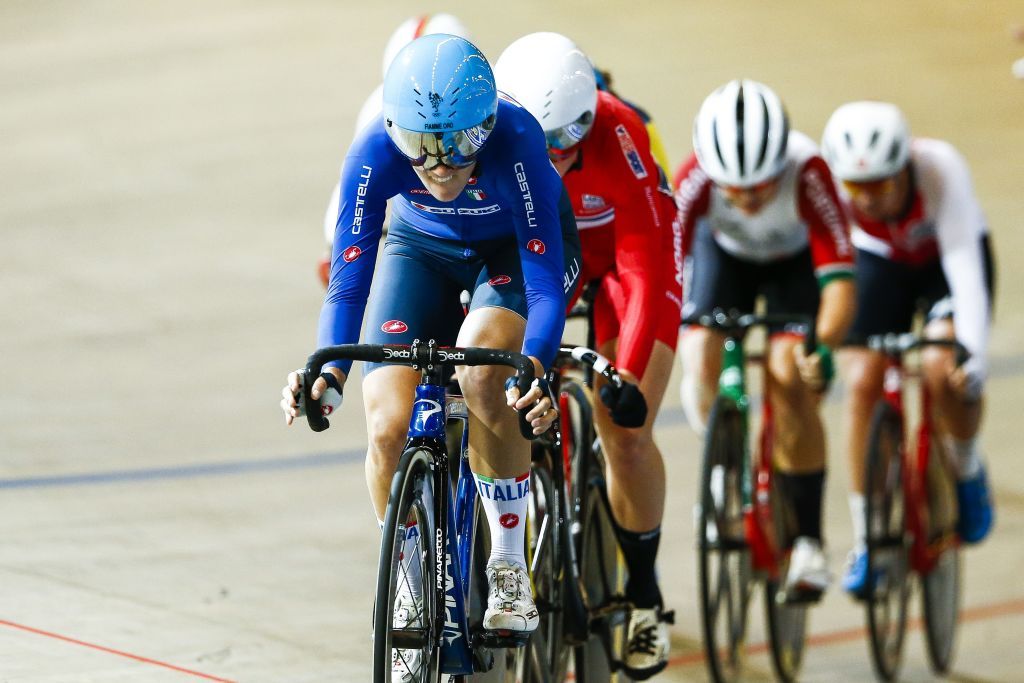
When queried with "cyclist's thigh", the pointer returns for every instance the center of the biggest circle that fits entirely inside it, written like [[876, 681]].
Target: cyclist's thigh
[[611, 306], [388, 396], [715, 278], [885, 297], [790, 288], [415, 293]]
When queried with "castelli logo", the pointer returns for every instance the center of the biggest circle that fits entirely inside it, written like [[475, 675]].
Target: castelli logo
[[509, 520], [499, 280], [536, 246], [351, 254], [394, 327], [326, 410]]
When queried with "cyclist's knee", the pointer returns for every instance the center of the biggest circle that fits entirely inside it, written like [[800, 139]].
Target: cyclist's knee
[[627, 448], [696, 398], [483, 388], [387, 437], [863, 374]]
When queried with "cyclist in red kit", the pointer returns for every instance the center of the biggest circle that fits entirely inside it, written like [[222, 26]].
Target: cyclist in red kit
[[624, 212]]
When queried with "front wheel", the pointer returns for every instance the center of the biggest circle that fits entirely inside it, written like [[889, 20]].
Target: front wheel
[[725, 565], [940, 595], [887, 587], [405, 611], [787, 621]]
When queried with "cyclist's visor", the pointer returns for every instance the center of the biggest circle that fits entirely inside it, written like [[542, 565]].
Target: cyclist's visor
[[456, 148], [871, 187], [566, 137]]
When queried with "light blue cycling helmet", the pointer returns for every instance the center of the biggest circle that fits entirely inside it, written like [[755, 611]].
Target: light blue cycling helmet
[[440, 102]]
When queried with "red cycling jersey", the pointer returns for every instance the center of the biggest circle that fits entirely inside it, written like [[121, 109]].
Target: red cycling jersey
[[804, 211], [626, 222]]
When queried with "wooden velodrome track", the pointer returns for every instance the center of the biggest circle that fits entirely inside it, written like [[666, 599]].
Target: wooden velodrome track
[[165, 167]]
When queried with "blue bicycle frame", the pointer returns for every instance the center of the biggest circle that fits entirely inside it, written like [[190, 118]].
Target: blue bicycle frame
[[428, 423]]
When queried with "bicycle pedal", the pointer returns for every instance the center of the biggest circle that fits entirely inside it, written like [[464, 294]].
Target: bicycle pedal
[[501, 639], [798, 595]]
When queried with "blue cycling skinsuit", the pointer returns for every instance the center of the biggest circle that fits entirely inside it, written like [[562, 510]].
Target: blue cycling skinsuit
[[509, 238]]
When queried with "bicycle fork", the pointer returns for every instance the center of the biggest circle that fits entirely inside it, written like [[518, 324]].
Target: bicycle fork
[[428, 424]]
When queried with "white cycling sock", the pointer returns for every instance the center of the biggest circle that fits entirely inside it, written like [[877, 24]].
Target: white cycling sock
[[965, 456], [857, 511], [505, 502]]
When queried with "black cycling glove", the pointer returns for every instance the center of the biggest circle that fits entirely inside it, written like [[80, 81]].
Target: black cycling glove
[[626, 404]]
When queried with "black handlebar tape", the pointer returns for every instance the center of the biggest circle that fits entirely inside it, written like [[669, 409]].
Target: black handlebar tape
[[314, 366], [402, 355], [314, 410]]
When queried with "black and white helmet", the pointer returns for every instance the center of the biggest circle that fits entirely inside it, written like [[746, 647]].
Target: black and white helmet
[[866, 141], [740, 134]]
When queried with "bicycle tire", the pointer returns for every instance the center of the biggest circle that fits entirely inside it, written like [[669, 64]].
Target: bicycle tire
[[787, 623], [940, 586], [411, 485], [599, 570], [725, 573], [545, 657], [887, 590]]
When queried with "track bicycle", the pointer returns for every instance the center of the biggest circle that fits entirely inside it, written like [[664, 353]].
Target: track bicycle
[[911, 518], [432, 634], [596, 611], [744, 528]]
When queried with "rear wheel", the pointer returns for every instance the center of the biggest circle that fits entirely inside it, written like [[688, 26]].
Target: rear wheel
[[725, 569], [940, 595], [603, 577], [405, 634], [887, 587], [600, 572]]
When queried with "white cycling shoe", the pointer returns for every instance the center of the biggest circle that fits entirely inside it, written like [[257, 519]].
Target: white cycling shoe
[[406, 664], [808, 577], [510, 605], [647, 643]]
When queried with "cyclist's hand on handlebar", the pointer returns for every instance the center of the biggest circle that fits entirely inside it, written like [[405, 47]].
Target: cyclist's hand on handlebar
[[626, 403], [327, 386], [543, 412], [816, 369]]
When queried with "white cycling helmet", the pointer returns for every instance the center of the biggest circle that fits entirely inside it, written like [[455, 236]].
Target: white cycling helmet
[[552, 78], [415, 27], [740, 134], [866, 141]]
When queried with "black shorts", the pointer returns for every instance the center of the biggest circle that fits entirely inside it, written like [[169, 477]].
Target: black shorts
[[418, 279], [889, 294], [714, 278]]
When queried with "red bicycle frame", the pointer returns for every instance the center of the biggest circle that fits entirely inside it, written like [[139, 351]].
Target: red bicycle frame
[[923, 553], [759, 516]]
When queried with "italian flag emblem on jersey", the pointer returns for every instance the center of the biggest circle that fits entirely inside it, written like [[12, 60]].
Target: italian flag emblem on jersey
[[476, 194]]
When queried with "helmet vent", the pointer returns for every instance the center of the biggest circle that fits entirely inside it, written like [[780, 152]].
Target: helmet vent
[[894, 152], [764, 138], [739, 132], [874, 138], [784, 137], [714, 136], [849, 140]]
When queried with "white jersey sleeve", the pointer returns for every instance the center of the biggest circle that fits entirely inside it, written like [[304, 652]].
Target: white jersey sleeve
[[959, 226]]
